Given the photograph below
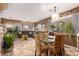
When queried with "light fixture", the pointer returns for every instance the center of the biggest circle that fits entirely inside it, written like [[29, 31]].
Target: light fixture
[[24, 20], [61, 23], [55, 15]]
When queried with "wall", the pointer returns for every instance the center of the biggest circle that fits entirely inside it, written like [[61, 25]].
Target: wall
[[75, 21], [20, 24], [45, 22]]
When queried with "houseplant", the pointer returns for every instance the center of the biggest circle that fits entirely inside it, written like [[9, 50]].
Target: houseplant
[[68, 28], [16, 30], [8, 40]]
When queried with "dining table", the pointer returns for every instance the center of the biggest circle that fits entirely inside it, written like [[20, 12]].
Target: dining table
[[51, 39]]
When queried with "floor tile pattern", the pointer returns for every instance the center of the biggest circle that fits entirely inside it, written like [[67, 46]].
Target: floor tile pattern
[[27, 48]]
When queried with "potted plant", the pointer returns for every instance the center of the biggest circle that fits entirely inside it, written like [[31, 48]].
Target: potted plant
[[8, 42], [68, 28], [16, 30]]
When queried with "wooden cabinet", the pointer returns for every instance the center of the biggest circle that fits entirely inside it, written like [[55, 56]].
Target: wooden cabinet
[[3, 6]]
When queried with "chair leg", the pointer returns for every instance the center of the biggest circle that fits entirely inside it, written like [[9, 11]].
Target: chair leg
[[62, 51], [35, 53]]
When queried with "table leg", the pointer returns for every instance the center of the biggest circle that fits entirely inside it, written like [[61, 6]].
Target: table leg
[[48, 49]]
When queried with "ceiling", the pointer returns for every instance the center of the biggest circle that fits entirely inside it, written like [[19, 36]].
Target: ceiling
[[33, 12]]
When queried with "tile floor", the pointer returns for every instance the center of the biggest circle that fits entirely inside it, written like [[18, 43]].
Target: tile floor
[[27, 48], [24, 47]]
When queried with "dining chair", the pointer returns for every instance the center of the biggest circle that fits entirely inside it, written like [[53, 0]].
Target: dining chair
[[37, 45], [51, 33], [42, 36], [58, 48], [46, 35], [40, 47], [43, 45]]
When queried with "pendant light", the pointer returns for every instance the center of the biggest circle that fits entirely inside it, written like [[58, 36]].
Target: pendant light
[[55, 15]]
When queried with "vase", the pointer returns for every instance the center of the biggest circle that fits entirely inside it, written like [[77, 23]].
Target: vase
[[8, 52]]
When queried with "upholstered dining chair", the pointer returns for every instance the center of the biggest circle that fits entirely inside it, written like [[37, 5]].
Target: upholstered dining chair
[[58, 48]]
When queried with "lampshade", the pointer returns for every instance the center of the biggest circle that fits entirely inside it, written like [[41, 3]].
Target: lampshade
[[55, 16]]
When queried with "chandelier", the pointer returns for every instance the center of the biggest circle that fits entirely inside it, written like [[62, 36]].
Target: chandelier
[[55, 15]]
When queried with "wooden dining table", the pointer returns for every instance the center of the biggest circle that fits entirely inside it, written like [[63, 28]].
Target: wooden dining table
[[51, 39]]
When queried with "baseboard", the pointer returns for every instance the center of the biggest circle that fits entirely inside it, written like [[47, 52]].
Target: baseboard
[[71, 46]]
